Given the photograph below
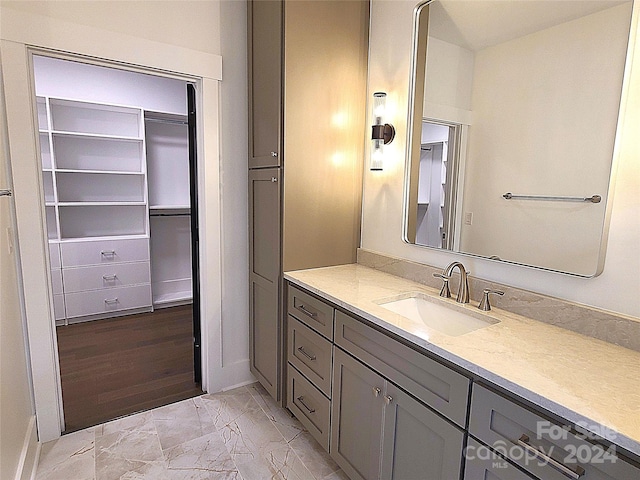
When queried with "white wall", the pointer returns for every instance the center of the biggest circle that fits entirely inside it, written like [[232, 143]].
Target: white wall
[[203, 25], [17, 416], [616, 289], [62, 78], [530, 107]]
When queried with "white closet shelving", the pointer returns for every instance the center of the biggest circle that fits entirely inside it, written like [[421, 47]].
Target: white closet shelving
[[95, 187], [169, 206]]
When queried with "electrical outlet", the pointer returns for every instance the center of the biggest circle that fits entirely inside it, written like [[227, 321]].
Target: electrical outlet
[[468, 218]]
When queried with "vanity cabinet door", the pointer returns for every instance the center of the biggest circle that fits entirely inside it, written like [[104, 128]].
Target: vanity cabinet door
[[265, 81], [264, 278], [356, 418], [418, 443]]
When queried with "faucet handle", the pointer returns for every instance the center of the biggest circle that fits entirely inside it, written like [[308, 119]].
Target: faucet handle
[[444, 292], [484, 303]]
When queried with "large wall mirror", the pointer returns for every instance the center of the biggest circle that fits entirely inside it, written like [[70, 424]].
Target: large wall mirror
[[513, 116]]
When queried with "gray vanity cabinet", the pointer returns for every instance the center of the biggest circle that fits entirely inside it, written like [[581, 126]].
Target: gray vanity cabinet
[[483, 464], [379, 431], [264, 276], [357, 416], [417, 443]]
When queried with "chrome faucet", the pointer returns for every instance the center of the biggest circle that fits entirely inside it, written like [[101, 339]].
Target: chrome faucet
[[463, 287]]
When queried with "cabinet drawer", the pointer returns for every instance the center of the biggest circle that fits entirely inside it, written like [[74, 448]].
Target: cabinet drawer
[[505, 425], [107, 300], [434, 384], [56, 281], [58, 307], [54, 256], [310, 353], [310, 311], [309, 406], [81, 279], [104, 251], [482, 464]]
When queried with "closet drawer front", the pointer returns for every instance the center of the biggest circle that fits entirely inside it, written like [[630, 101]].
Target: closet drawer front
[[499, 422], [56, 281], [54, 255], [104, 252], [107, 300], [58, 307], [310, 353], [81, 279], [309, 406], [431, 382], [311, 311]]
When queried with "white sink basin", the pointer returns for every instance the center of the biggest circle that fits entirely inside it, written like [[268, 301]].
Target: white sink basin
[[446, 319]]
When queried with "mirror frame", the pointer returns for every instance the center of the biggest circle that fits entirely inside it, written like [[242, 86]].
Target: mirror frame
[[414, 130]]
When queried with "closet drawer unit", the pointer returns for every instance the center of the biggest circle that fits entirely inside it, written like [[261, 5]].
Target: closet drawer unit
[[58, 307], [100, 252], [107, 300], [541, 447], [310, 353], [311, 311], [54, 256], [482, 464], [56, 281], [309, 406], [436, 385], [96, 277]]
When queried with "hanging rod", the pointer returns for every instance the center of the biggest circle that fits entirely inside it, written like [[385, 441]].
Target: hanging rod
[[166, 120], [169, 214], [591, 199]]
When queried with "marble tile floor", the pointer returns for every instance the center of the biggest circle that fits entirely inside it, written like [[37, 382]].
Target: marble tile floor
[[240, 434]]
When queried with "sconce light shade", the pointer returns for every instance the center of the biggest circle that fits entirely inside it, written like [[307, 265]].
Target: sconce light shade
[[381, 133]]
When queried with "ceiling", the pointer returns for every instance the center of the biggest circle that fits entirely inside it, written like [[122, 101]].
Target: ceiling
[[478, 24]]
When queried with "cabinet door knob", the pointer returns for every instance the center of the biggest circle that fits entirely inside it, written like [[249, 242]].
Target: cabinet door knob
[[377, 391], [388, 399], [274, 179], [274, 154]]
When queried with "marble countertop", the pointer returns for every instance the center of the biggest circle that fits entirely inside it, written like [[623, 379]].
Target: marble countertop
[[588, 382]]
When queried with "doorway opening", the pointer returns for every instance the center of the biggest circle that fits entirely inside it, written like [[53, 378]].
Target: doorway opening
[[120, 183]]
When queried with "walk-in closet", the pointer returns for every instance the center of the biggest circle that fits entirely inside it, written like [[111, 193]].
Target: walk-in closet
[[119, 201]]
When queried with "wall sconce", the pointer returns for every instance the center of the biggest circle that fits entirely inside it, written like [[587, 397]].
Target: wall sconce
[[381, 133]]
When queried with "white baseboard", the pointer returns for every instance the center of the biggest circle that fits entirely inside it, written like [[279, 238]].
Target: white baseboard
[[30, 453], [231, 376]]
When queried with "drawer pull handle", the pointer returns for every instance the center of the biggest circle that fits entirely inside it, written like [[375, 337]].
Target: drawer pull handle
[[274, 154], [574, 474], [111, 301], [307, 312], [109, 278], [108, 253], [301, 400], [304, 352], [388, 399], [376, 391]]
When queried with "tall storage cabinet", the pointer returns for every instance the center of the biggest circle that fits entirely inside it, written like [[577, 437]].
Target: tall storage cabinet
[[307, 106]]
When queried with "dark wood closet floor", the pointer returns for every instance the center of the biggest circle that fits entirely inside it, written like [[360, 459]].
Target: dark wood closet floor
[[114, 367]]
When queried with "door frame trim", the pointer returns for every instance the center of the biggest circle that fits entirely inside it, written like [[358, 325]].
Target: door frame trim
[[21, 36]]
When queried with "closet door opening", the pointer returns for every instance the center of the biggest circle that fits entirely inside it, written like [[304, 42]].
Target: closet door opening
[[120, 191]]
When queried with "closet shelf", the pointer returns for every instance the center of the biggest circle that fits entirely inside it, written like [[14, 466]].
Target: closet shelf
[[169, 207], [172, 298], [105, 172], [98, 238], [100, 204]]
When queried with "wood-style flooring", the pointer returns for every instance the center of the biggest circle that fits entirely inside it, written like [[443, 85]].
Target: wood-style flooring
[[114, 367]]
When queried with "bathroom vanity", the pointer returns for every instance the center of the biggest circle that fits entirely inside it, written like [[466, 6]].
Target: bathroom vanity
[[389, 396]]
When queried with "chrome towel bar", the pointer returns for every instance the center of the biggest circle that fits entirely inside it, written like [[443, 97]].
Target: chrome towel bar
[[592, 199]]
